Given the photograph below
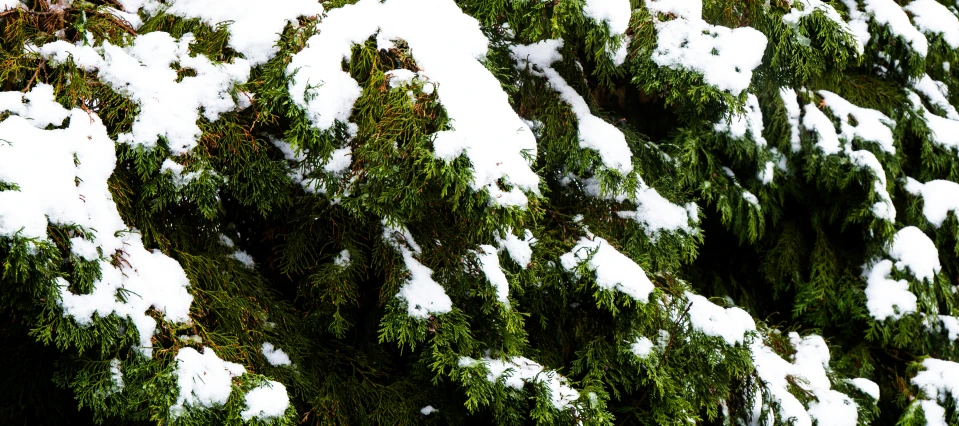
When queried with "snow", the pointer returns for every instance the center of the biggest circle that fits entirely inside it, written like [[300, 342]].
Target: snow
[[267, 401], [912, 249], [180, 179], [400, 77], [751, 198], [810, 6], [731, 324], [767, 173], [254, 29], [489, 263], [132, 6], [116, 375], [809, 368], [944, 132], [343, 259], [938, 380], [871, 125], [948, 324], [518, 371], [143, 73], [859, 24], [885, 296], [62, 175], [193, 338], [594, 132], [887, 12], [275, 356], [937, 93], [9, 4], [939, 197], [931, 17], [244, 258], [339, 162], [615, 13], [642, 347], [868, 387], [653, 212], [519, 249], [883, 209], [688, 42], [129, 17], [657, 214], [423, 295], [203, 379], [621, 53], [614, 270], [427, 410], [750, 121], [299, 170], [817, 121], [447, 46], [934, 413], [37, 106], [788, 95]]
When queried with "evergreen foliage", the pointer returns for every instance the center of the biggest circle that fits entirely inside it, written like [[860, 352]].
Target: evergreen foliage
[[730, 212]]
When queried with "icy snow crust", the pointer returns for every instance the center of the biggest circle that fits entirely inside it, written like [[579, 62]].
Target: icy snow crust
[[447, 45]]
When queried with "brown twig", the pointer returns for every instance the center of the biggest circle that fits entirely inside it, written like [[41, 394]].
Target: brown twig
[[123, 23], [32, 79]]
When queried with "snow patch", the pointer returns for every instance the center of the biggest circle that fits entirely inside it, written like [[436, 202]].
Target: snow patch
[[254, 29], [204, 380], [447, 45], [810, 365], [489, 263], [912, 249], [887, 298], [788, 95], [939, 197], [594, 132], [518, 371], [423, 295], [143, 73], [890, 14], [62, 178], [725, 57], [519, 249], [265, 402], [731, 324], [614, 270], [931, 17], [274, 355], [751, 121], [642, 347]]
